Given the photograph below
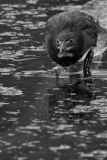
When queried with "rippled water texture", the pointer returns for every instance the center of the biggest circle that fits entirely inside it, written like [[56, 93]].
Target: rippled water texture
[[39, 120]]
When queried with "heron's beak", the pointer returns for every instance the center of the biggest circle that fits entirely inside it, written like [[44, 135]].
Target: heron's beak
[[64, 50], [61, 49]]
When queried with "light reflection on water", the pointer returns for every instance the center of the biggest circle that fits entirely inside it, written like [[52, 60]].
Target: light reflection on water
[[39, 120]]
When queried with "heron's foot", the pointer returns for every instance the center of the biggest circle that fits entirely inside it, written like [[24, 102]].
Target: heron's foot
[[87, 66], [56, 69]]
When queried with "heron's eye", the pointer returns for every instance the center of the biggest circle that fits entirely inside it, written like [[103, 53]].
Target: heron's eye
[[71, 41], [57, 41]]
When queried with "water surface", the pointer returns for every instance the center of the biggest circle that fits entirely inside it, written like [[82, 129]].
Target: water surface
[[38, 119]]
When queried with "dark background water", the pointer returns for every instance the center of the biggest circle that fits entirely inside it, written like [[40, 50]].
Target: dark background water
[[39, 121]]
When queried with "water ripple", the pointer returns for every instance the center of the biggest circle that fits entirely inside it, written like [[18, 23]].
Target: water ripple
[[37, 117]]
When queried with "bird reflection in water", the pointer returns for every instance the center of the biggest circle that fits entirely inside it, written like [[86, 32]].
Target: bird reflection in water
[[62, 101]]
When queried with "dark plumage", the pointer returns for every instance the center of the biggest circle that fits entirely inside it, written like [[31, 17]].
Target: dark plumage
[[68, 35]]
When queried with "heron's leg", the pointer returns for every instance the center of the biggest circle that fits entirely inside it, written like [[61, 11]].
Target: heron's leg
[[57, 71], [87, 65], [87, 71]]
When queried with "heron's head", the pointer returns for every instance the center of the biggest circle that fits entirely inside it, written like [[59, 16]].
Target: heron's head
[[70, 46]]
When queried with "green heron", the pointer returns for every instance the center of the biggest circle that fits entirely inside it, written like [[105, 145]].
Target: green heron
[[68, 36]]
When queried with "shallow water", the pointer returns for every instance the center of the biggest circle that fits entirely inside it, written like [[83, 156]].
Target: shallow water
[[38, 119]]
